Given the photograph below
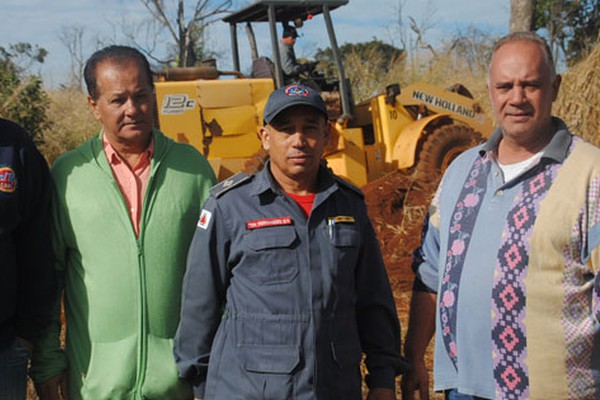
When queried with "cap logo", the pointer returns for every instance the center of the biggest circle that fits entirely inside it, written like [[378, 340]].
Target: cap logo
[[8, 180], [296, 90]]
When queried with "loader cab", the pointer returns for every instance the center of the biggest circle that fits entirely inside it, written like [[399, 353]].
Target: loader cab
[[277, 12]]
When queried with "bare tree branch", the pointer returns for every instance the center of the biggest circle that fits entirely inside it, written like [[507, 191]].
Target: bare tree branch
[[187, 33], [156, 9], [72, 38]]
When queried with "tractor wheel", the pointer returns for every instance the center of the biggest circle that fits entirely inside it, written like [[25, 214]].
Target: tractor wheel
[[442, 147]]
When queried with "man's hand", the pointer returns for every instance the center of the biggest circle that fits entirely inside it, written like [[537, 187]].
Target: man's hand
[[416, 379], [53, 389], [420, 331], [381, 394]]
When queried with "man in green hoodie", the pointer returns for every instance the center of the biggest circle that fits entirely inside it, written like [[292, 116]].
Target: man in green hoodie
[[125, 209]]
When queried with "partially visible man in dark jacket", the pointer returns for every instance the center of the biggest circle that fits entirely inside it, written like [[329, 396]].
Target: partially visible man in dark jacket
[[27, 281]]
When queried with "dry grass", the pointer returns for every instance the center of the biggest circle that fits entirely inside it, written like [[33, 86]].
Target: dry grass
[[578, 104], [366, 78], [72, 121], [578, 101]]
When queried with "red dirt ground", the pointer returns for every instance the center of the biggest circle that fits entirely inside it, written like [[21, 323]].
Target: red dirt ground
[[397, 204]]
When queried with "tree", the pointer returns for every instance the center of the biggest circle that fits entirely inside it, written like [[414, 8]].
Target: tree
[[412, 34], [369, 66], [22, 98], [521, 15], [72, 38], [468, 50], [586, 31], [365, 51], [572, 27], [187, 34]]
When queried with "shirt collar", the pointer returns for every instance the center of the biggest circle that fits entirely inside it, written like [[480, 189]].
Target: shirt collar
[[114, 158], [557, 149]]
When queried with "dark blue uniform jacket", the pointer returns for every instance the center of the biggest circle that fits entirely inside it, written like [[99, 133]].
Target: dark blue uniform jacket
[[27, 287], [280, 306]]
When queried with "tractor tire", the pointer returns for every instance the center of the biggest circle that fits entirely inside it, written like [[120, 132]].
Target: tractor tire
[[441, 147]]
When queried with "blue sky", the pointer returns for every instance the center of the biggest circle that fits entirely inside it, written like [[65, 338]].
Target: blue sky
[[41, 22]]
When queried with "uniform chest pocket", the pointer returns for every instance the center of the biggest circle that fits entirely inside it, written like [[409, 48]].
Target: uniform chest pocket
[[343, 235], [343, 250], [271, 257]]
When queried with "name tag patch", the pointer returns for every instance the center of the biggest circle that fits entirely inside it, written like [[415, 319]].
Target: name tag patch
[[267, 222]]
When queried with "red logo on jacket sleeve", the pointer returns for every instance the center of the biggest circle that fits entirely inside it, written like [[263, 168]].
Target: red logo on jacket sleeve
[[204, 219]]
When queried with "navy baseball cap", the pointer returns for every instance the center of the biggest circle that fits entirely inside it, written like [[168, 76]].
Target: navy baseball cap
[[292, 95]]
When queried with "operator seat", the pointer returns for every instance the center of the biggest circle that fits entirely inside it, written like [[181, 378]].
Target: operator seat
[[263, 67]]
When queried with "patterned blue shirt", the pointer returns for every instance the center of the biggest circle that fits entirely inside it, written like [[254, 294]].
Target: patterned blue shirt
[[515, 265]]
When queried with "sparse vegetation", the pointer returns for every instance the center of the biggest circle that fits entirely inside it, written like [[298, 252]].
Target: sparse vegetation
[[72, 123], [61, 120], [578, 101], [22, 98]]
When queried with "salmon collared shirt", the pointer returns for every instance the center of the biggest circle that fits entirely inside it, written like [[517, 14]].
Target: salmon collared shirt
[[132, 182]]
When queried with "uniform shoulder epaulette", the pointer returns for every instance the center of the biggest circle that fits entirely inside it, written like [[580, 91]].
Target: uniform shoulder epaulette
[[344, 183], [229, 183]]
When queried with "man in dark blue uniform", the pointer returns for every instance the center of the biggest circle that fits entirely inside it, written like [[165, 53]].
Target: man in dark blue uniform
[[27, 286], [285, 287]]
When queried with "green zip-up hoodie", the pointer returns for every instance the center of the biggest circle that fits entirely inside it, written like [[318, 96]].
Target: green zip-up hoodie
[[122, 293]]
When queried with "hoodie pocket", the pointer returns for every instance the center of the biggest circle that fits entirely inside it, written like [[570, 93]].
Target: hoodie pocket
[[162, 378], [112, 370]]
